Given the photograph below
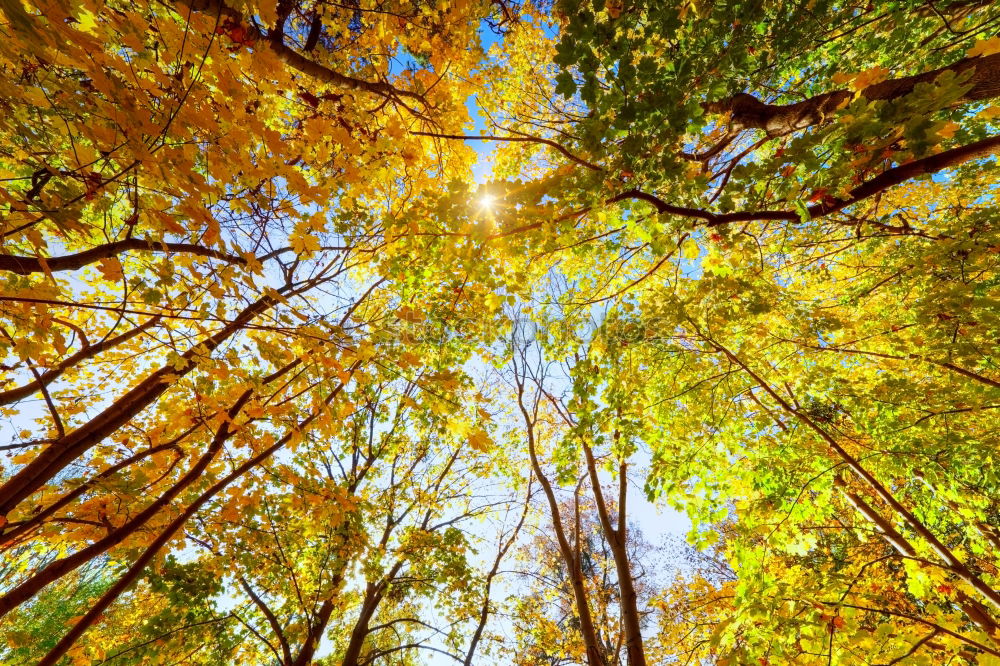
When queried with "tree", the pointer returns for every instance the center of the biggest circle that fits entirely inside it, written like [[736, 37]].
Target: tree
[[592, 535], [757, 244]]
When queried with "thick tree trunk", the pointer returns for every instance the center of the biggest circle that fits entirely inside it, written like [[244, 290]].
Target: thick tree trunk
[[60, 568], [748, 112], [58, 455]]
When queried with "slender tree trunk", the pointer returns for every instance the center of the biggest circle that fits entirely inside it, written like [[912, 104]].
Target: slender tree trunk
[[373, 595], [618, 541], [87, 351], [16, 531], [374, 592], [595, 656], [976, 612], [61, 567], [316, 630], [137, 567], [484, 611]]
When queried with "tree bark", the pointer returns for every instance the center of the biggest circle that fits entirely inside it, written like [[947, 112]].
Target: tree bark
[[947, 556], [60, 568], [359, 633], [137, 567], [295, 60], [976, 612], [87, 351], [889, 178], [316, 630]]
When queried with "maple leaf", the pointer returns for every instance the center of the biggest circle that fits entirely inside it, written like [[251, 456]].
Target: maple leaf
[[948, 129], [406, 313], [110, 268], [304, 244], [459, 427], [842, 78], [990, 113], [985, 47], [869, 77], [480, 440], [365, 351]]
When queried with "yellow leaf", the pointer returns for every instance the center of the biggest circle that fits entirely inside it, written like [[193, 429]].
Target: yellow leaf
[[458, 428], [111, 269], [409, 360], [870, 77], [840, 78], [990, 113], [406, 313], [211, 236], [689, 249], [35, 236], [366, 350], [22, 458], [304, 244], [985, 47], [58, 341], [480, 440], [87, 22], [948, 129]]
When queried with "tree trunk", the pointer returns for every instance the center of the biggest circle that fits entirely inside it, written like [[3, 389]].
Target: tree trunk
[[951, 562], [617, 540], [352, 654], [60, 568], [595, 657], [58, 455], [315, 635], [977, 612]]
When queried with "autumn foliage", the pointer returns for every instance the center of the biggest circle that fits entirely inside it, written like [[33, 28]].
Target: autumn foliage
[[376, 331]]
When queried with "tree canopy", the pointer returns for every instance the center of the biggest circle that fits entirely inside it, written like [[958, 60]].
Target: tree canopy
[[371, 332]]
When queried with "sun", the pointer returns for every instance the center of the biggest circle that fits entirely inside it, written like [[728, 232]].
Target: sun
[[486, 202]]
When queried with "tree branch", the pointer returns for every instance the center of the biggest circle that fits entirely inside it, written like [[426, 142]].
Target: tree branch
[[885, 180], [23, 265], [748, 112]]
